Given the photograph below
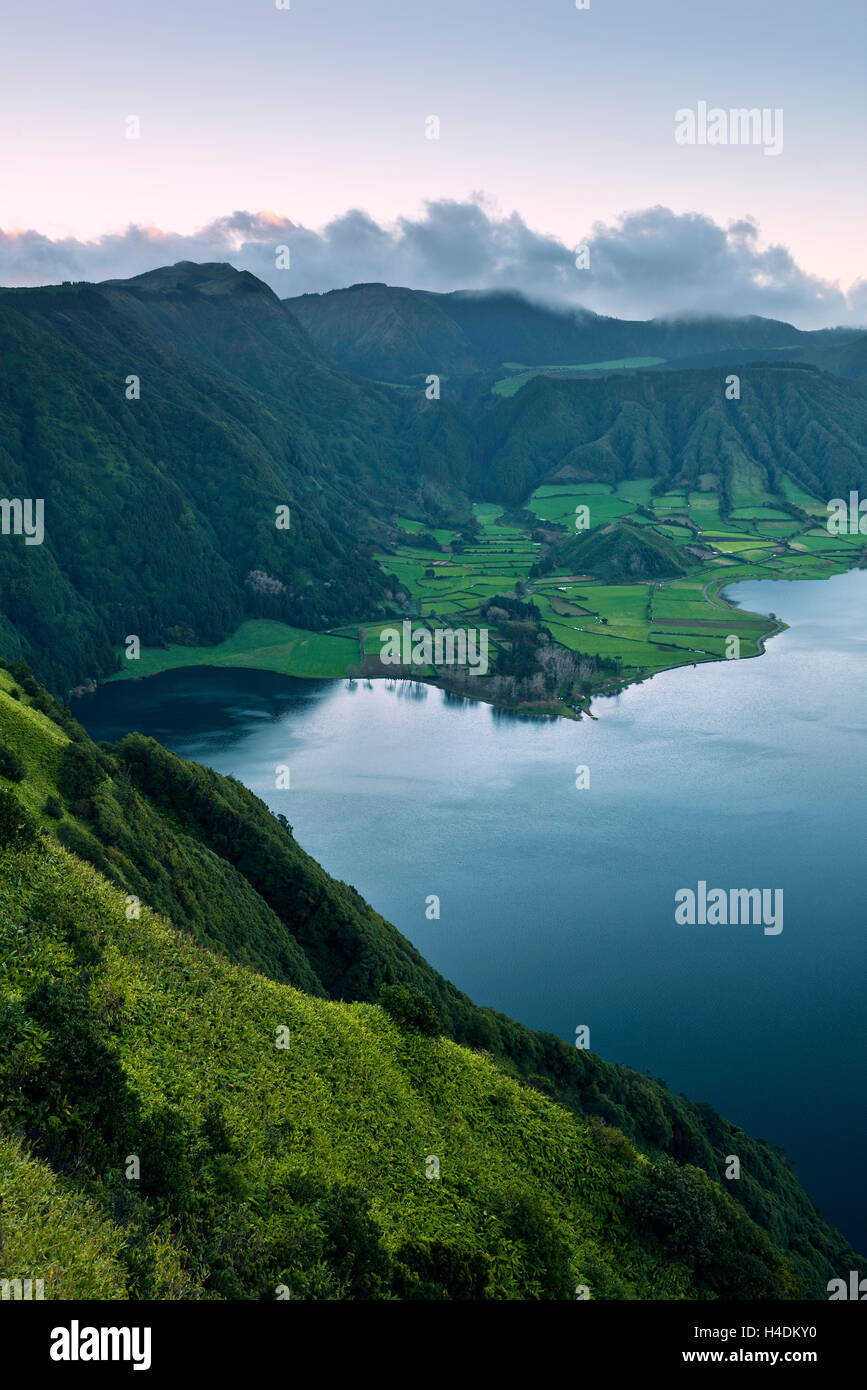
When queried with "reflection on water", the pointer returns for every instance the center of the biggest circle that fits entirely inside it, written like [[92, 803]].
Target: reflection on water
[[557, 903]]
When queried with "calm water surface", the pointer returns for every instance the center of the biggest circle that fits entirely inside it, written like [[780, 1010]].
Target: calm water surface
[[557, 904]]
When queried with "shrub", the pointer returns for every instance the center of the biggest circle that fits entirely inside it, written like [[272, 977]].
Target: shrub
[[11, 766], [436, 1271], [18, 828], [674, 1205], [353, 1246], [83, 1112], [700, 1227], [80, 773], [24, 676], [410, 1008], [168, 1169], [53, 807], [546, 1258]]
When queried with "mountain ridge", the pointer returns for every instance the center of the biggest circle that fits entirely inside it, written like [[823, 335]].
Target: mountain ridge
[[162, 496], [399, 333]]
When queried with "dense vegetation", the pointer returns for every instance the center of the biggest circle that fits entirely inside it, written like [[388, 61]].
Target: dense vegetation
[[387, 332], [161, 512], [312, 1107], [161, 498], [677, 427]]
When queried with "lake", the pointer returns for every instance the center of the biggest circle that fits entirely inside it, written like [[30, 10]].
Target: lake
[[558, 903]]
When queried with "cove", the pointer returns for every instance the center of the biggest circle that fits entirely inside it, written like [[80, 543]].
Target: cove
[[557, 900]]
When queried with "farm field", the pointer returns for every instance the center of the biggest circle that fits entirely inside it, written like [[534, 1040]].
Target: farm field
[[646, 627]]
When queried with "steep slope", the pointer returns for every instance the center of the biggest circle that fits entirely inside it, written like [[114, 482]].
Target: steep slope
[[386, 332], [124, 1032], [161, 512], [289, 1143], [676, 426]]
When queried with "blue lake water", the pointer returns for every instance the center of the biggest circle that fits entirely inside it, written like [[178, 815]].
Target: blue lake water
[[557, 904]]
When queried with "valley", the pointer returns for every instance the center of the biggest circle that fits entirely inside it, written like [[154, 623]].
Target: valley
[[641, 627], [582, 496], [159, 510], [433, 624]]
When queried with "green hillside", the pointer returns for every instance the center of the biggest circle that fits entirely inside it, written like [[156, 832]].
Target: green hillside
[[676, 427], [620, 553], [180, 984], [161, 512]]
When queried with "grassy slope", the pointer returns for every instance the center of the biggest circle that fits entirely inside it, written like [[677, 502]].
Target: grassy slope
[[52, 1233], [622, 553], [355, 1100]]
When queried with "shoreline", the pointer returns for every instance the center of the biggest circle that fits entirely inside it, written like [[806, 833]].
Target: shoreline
[[713, 592]]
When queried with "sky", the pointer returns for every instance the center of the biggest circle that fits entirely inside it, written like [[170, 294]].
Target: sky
[[309, 126]]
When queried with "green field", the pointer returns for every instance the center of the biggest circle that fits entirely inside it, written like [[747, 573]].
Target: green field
[[647, 626], [509, 385], [259, 644], [602, 507], [414, 527]]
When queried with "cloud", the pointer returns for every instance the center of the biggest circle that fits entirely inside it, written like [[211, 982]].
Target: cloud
[[648, 263]]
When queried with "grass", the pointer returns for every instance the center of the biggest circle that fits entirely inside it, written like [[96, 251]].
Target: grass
[[354, 1098], [602, 508], [38, 742], [509, 385], [650, 628], [259, 644], [415, 527], [53, 1234]]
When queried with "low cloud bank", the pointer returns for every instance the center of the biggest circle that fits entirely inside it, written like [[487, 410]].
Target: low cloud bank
[[648, 263]]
